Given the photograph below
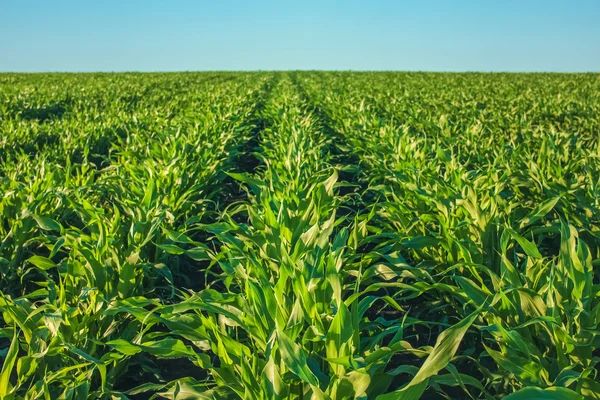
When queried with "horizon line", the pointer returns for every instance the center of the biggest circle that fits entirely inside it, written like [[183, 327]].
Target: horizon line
[[302, 70]]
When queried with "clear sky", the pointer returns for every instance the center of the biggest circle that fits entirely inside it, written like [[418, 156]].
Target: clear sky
[[431, 35]]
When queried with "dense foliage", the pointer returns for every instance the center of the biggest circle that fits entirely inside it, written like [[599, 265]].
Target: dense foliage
[[301, 235]]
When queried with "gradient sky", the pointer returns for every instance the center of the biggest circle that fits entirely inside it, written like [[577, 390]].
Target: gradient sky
[[151, 35]]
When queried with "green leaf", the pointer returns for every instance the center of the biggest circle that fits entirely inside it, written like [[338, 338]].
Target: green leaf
[[529, 248], [525, 370], [191, 389], [53, 321], [167, 348], [443, 351], [47, 223], [149, 194], [551, 393], [339, 336], [198, 253], [360, 382], [42, 262], [445, 348], [254, 184], [328, 184], [539, 212], [83, 354], [171, 248], [57, 246], [294, 357], [7, 366], [420, 242], [272, 382], [123, 346]]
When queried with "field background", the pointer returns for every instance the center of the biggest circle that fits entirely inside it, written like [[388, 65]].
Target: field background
[[296, 235]]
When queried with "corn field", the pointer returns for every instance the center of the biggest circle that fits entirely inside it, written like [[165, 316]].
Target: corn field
[[300, 235]]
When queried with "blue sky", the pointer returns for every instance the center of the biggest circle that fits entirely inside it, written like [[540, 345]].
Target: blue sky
[[430, 35]]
